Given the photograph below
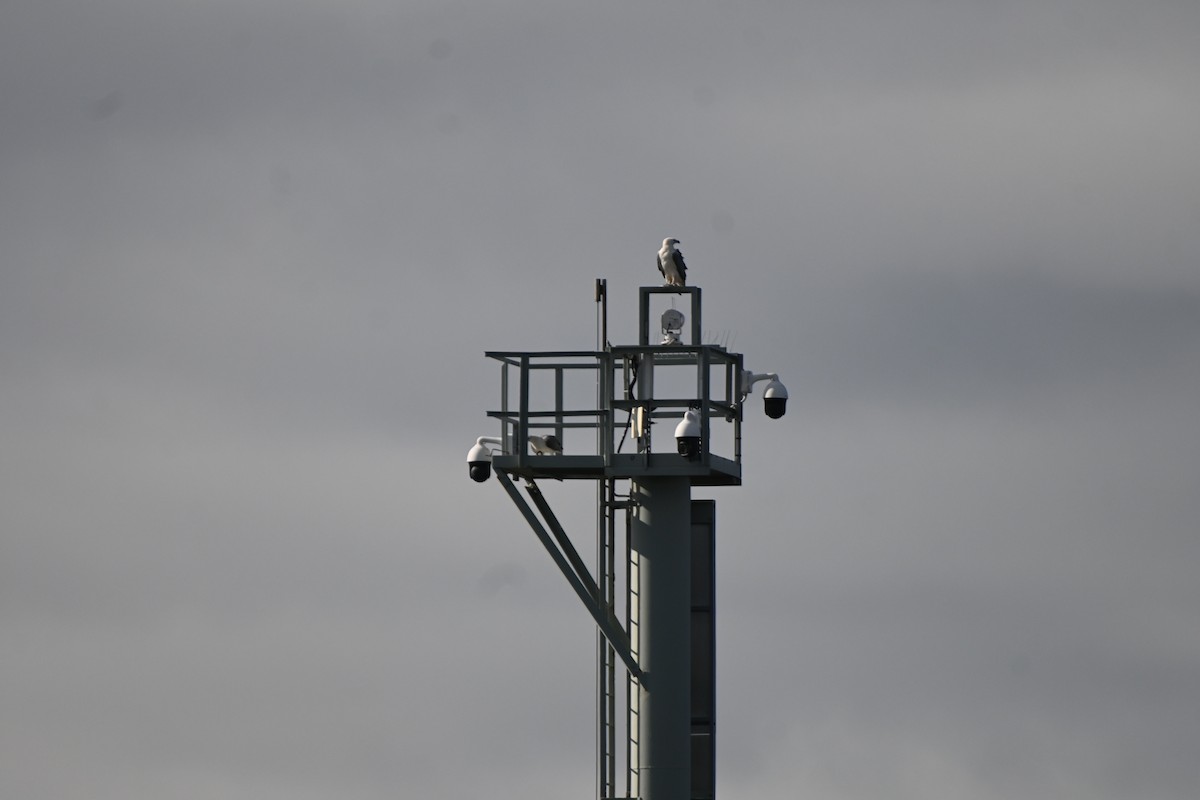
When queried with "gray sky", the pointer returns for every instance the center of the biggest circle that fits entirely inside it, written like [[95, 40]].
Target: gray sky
[[252, 254]]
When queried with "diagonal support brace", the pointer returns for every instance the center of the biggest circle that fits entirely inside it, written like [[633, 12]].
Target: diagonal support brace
[[572, 567]]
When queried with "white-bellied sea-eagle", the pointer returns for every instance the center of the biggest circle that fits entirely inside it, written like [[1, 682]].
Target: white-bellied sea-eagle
[[670, 264]]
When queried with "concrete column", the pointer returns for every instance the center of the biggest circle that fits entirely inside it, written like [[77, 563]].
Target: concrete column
[[661, 534]]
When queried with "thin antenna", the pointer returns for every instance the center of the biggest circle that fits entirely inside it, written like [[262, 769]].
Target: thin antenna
[[601, 313]]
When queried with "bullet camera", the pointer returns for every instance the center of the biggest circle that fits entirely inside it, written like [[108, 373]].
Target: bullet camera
[[479, 458], [775, 399], [687, 435]]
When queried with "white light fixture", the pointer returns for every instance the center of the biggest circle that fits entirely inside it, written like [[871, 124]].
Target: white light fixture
[[672, 326]]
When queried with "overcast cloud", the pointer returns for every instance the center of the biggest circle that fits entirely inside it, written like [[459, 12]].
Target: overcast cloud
[[251, 254]]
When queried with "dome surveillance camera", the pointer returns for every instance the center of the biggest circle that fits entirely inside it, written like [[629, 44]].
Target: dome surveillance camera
[[774, 396], [479, 463], [687, 435], [775, 399]]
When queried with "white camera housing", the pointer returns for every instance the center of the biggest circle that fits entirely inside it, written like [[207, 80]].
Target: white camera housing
[[687, 435], [479, 458], [774, 396], [775, 399]]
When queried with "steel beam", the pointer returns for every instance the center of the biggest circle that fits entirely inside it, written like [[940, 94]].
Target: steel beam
[[583, 584]]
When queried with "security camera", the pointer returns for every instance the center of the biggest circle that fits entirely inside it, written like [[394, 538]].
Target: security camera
[[687, 435], [774, 396], [479, 459], [479, 463], [775, 399]]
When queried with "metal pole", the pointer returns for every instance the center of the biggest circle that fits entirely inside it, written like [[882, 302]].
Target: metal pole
[[661, 535]]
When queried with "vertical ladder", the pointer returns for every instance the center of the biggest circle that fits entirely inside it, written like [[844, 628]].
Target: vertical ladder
[[632, 685], [606, 690]]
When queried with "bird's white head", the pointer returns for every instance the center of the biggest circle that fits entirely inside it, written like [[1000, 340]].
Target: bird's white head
[[669, 243]]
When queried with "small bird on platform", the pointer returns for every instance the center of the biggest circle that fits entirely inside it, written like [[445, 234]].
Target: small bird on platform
[[547, 445]]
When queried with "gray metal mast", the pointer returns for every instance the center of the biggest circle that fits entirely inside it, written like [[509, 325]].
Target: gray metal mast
[[665, 642], [661, 538]]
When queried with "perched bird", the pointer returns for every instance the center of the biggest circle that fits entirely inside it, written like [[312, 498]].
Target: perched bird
[[670, 264], [547, 445]]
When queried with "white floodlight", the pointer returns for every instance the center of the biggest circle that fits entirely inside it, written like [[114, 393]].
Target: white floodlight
[[672, 326]]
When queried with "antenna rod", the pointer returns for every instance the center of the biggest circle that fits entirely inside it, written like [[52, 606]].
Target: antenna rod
[[602, 313]]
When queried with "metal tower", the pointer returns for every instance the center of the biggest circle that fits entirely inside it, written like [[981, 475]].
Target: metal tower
[[599, 415]]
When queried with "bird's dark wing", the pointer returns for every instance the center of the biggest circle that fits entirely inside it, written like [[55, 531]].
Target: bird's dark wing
[[658, 263], [679, 265]]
